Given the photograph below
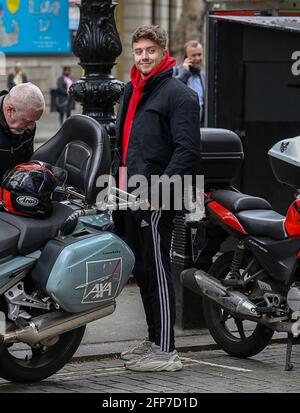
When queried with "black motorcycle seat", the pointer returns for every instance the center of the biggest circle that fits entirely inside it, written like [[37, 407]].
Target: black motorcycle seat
[[263, 222], [9, 237], [26, 235], [236, 201]]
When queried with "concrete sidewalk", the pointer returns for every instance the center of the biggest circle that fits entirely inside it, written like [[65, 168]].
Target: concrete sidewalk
[[48, 125], [127, 326]]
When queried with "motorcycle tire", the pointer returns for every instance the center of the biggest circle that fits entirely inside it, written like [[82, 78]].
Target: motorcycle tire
[[242, 346], [43, 363]]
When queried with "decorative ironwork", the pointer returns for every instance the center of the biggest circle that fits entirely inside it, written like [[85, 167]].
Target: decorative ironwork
[[97, 44]]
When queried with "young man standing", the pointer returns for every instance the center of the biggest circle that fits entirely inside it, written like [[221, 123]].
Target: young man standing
[[157, 134]]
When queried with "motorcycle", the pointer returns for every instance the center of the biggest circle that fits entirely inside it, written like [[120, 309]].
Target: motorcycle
[[60, 273], [254, 290]]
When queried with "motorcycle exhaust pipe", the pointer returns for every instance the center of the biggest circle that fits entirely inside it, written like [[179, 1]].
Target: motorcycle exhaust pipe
[[234, 302], [53, 324]]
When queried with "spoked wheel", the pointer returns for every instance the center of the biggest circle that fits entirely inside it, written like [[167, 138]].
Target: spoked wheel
[[24, 364], [239, 338]]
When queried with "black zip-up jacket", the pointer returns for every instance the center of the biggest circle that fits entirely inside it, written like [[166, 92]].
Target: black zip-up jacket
[[165, 135], [14, 149]]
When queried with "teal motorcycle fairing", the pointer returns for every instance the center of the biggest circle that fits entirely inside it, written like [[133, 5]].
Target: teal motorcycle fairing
[[84, 270], [11, 269]]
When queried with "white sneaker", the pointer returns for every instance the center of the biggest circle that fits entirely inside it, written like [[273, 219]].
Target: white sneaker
[[137, 352], [156, 360]]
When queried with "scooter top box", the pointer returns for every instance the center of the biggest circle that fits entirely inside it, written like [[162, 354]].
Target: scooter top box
[[221, 155], [285, 161]]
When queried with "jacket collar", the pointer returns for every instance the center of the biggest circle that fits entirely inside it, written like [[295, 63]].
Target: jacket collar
[[157, 80]]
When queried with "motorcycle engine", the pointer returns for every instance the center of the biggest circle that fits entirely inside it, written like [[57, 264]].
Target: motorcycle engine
[[293, 298]]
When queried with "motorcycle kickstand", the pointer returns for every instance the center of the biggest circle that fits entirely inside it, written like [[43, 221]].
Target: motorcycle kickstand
[[288, 365]]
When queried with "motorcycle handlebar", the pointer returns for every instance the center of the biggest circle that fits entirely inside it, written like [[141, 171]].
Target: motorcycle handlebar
[[74, 217]]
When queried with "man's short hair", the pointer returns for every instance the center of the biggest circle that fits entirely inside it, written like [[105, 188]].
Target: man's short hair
[[154, 33], [191, 43], [25, 96]]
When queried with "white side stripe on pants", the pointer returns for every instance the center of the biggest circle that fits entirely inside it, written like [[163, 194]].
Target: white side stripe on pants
[[162, 284]]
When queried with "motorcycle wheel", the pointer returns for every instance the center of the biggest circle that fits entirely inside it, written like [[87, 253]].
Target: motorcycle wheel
[[38, 364], [237, 337]]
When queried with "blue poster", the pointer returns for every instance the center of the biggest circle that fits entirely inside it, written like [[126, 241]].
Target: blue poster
[[34, 26]]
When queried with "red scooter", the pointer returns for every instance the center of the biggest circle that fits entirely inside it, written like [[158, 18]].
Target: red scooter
[[254, 290]]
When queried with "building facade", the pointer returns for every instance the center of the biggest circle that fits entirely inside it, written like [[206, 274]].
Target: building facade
[[44, 70]]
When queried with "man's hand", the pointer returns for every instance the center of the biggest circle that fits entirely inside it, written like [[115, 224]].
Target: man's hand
[[188, 63]]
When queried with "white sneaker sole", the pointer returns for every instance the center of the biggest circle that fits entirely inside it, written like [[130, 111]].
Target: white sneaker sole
[[175, 366], [131, 357]]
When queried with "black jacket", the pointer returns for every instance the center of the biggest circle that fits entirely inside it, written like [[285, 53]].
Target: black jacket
[[165, 135], [64, 103], [10, 80], [14, 149]]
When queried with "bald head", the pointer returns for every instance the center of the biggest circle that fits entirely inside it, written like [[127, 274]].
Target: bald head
[[23, 106]]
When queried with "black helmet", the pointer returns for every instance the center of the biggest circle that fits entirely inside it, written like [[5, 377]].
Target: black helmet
[[27, 188]]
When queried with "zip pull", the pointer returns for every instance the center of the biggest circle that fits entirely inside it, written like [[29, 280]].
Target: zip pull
[[11, 149]]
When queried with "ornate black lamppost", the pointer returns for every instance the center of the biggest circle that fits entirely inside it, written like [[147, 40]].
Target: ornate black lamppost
[[97, 44]]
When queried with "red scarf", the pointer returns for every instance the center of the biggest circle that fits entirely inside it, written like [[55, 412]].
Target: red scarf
[[138, 86]]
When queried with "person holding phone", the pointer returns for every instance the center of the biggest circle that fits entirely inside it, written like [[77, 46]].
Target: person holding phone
[[191, 72]]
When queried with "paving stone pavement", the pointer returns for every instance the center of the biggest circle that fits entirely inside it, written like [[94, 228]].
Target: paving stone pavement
[[204, 372]]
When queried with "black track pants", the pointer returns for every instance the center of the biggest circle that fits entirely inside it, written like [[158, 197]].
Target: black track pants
[[149, 235]]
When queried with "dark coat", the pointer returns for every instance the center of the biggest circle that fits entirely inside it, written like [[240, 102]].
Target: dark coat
[[184, 75], [64, 103], [14, 149], [10, 80], [165, 135]]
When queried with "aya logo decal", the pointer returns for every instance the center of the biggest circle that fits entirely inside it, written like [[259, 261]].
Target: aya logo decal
[[99, 291], [102, 280]]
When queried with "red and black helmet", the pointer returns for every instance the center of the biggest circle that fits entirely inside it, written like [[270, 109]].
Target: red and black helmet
[[27, 188]]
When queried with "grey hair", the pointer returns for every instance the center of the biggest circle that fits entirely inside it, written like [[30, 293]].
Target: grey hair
[[27, 96]]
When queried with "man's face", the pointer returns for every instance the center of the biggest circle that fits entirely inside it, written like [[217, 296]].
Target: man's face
[[147, 55], [196, 54], [19, 121]]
